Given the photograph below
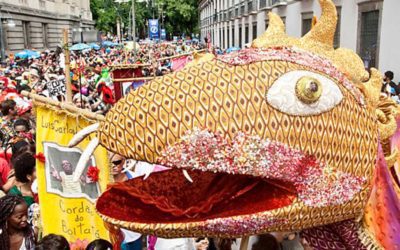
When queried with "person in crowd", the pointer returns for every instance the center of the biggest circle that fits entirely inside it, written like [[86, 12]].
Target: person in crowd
[[53, 242], [16, 233], [132, 240], [20, 147], [117, 166], [22, 130], [25, 174], [66, 177], [99, 244], [7, 178], [266, 242], [9, 112], [389, 87]]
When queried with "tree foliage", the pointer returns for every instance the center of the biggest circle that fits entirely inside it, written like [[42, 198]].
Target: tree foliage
[[180, 16]]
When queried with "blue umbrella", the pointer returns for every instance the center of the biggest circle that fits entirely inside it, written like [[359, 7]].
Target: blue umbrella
[[80, 46], [94, 46], [25, 54], [107, 44], [232, 49]]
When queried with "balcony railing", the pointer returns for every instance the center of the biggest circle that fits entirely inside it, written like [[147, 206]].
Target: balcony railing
[[278, 2], [271, 3]]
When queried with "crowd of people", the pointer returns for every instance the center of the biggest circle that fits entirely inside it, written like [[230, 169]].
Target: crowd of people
[[93, 90]]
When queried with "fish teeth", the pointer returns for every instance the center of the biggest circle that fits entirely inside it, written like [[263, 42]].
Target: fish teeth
[[187, 176]]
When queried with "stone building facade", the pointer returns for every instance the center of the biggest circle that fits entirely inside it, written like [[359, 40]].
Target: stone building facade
[[39, 24], [370, 27]]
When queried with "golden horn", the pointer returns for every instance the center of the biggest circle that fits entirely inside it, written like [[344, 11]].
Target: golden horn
[[276, 29], [324, 30], [314, 21], [372, 88], [392, 158]]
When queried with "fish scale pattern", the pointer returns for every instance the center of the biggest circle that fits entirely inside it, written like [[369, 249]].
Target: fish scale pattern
[[228, 99]]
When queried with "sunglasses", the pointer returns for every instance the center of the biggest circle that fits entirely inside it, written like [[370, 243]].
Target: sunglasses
[[116, 163]]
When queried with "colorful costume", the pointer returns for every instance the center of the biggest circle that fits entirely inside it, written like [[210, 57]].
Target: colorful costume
[[284, 136]]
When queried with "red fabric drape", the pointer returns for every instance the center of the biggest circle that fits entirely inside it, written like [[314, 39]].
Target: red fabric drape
[[168, 196]]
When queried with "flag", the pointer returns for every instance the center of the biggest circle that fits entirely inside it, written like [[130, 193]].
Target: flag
[[153, 29], [179, 62], [67, 206]]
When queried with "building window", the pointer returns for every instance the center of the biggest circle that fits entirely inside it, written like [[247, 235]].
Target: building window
[[306, 26], [228, 37], [254, 31], [369, 31], [45, 35], [246, 34], [263, 4], [336, 40], [233, 35], [306, 23], [220, 37], [250, 6], [240, 36], [266, 24], [223, 38], [27, 34]]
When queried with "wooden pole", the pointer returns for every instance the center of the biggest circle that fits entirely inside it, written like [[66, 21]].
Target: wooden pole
[[244, 243], [133, 79], [128, 66], [180, 55], [67, 68], [67, 106]]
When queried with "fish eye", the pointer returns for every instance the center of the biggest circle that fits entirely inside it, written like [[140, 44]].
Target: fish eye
[[304, 93]]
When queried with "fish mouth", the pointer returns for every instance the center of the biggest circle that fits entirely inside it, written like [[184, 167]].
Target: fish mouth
[[235, 185]]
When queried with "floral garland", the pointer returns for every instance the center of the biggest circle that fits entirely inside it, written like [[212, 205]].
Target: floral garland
[[317, 185]]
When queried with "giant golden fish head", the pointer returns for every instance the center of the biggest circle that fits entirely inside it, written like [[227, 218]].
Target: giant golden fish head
[[279, 137]]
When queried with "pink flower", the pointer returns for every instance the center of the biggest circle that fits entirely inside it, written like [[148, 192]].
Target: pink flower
[[79, 244]]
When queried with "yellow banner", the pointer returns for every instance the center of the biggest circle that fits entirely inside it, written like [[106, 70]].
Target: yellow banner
[[67, 207]]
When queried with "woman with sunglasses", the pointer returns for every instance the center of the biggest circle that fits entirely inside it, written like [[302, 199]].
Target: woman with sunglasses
[[132, 240], [117, 166]]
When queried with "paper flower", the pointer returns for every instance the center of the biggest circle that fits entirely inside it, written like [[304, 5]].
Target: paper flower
[[79, 244], [40, 157], [93, 173]]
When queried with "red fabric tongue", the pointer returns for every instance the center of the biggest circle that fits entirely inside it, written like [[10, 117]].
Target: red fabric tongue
[[175, 195]]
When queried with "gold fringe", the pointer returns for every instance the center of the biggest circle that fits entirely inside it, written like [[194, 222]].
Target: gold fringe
[[367, 239], [128, 66]]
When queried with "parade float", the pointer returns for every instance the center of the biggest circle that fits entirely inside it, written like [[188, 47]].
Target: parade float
[[288, 135]]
